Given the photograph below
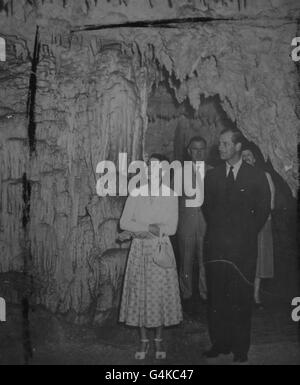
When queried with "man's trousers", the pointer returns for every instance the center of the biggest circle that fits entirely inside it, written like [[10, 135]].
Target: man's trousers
[[230, 300], [190, 245]]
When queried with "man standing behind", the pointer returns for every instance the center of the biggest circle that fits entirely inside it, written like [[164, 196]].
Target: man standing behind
[[236, 206], [191, 231]]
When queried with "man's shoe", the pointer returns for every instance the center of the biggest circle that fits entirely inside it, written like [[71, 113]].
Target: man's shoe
[[214, 352], [240, 358], [211, 353]]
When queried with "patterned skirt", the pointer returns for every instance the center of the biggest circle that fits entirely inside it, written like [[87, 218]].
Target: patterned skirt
[[150, 295]]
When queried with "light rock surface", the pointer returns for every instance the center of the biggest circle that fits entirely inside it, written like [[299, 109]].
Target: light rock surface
[[92, 100]]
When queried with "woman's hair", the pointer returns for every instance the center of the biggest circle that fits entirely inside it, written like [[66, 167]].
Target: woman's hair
[[259, 158], [159, 157]]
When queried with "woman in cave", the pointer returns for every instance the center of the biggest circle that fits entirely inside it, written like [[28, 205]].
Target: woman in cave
[[150, 297], [265, 258]]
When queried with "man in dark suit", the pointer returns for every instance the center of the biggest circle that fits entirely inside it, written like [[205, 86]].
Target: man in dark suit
[[191, 231], [236, 206]]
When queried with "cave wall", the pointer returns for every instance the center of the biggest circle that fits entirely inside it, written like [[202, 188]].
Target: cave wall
[[113, 11], [88, 110], [91, 103], [14, 155]]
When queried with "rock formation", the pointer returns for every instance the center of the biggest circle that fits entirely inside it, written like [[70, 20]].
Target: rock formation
[[93, 99]]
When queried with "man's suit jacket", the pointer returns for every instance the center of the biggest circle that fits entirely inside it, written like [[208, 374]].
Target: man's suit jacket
[[235, 221], [191, 218]]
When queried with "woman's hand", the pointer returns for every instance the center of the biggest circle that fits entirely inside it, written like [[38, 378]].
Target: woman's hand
[[154, 229], [143, 235]]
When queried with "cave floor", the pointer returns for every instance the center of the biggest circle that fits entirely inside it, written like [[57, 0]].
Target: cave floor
[[275, 341]]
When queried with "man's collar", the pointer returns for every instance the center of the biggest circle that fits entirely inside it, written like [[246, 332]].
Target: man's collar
[[199, 162], [236, 166]]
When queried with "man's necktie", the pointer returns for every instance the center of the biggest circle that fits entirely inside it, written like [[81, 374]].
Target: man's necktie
[[230, 180]]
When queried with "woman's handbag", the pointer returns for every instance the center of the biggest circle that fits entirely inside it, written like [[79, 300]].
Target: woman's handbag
[[164, 255]]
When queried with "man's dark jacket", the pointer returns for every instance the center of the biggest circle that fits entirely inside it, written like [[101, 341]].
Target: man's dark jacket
[[234, 220]]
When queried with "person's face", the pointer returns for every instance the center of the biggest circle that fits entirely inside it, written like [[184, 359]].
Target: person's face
[[197, 151], [248, 157], [228, 149]]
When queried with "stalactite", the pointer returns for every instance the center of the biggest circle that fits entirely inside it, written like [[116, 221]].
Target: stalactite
[[99, 118], [26, 202]]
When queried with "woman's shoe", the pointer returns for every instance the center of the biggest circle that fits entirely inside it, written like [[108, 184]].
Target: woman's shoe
[[159, 354], [141, 355]]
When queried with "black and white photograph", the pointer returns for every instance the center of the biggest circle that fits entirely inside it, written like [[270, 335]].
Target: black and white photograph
[[149, 185]]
